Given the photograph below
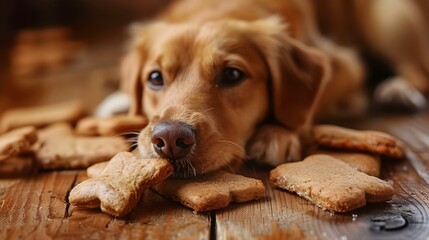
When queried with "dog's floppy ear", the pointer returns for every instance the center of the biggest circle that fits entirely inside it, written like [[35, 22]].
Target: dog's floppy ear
[[131, 84], [298, 73], [132, 64]]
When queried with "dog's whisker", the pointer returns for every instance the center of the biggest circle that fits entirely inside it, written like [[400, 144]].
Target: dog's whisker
[[132, 140], [207, 110], [230, 142], [133, 145], [125, 134], [192, 154], [191, 167], [229, 167], [234, 145], [131, 133], [134, 137], [183, 168]]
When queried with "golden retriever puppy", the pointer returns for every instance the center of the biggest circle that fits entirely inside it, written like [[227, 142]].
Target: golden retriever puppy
[[222, 81]]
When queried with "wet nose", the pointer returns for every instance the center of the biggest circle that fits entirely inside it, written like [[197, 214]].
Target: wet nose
[[173, 139]]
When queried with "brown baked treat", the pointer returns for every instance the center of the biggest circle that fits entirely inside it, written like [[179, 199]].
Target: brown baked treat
[[17, 141], [41, 116], [211, 192], [17, 167], [330, 183], [96, 169], [110, 126], [118, 189], [363, 162], [60, 149], [368, 141]]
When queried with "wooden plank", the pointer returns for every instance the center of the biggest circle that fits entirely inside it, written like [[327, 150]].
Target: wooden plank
[[288, 212], [37, 208], [414, 131], [5, 184], [154, 217]]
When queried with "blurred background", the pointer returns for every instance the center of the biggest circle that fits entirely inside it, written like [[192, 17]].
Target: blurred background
[[53, 50]]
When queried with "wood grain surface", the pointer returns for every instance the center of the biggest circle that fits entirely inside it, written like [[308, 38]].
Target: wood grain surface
[[36, 207]]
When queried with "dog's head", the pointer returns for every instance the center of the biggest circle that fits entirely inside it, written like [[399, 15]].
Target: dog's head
[[205, 87]]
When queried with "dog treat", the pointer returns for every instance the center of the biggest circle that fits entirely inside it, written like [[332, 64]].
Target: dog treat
[[16, 167], [118, 189], [211, 192], [96, 169], [41, 116], [368, 141], [363, 162], [17, 141], [110, 126], [330, 183], [60, 149]]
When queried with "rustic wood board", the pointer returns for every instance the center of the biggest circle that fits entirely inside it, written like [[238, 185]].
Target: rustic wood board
[[285, 212], [37, 208]]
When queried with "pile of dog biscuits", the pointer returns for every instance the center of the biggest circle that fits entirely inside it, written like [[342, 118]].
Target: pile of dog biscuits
[[341, 174], [44, 138]]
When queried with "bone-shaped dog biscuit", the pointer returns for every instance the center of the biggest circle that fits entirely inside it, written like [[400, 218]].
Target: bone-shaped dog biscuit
[[363, 162], [60, 149], [118, 189], [368, 141], [211, 192], [96, 169], [17, 141], [110, 126], [330, 183], [41, 116]]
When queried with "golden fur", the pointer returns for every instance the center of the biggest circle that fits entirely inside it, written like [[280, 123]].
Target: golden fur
[[290, 70]]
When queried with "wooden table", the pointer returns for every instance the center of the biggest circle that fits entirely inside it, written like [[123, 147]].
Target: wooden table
[[36, 207]]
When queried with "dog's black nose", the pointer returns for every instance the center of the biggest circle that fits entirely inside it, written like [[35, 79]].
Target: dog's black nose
[[173, 139]]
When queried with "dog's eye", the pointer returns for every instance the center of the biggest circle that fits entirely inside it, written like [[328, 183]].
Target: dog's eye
[[230, 77], [155, 81]]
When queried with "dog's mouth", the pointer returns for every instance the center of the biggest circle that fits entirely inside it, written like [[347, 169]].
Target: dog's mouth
[[194, 147], [183, 168]]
